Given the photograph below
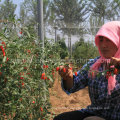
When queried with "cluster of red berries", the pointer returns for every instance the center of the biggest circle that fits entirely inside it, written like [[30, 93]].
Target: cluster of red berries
[[1, 47], [57, 69], [45, 66], [64, 70], [22, 78], [112, 71], [43, 76]]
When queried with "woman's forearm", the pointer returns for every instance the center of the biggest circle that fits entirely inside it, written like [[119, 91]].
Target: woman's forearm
[[68, 83]]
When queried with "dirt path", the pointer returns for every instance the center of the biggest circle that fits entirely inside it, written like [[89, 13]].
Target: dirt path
[[61, 102]]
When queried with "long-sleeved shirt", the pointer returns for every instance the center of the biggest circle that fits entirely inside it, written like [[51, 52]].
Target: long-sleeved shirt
[[102, 104]]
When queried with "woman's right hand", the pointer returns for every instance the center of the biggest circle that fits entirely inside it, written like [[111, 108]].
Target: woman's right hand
[[67, 75], [65, 72]]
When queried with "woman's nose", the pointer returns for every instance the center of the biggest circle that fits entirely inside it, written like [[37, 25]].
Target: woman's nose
[[105, 44]]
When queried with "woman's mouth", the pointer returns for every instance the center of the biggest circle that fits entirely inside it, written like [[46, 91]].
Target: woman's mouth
[[105, 51]]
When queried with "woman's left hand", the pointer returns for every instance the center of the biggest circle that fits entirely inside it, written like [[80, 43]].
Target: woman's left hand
[[115, 61]]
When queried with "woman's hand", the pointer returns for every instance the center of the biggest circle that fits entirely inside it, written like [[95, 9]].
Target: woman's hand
[[115, 61], [65, 72], [67, 75]]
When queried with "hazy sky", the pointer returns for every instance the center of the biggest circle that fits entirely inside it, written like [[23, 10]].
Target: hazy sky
[[18, 2]]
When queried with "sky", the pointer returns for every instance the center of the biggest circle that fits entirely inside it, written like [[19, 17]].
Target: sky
[[18, 2]]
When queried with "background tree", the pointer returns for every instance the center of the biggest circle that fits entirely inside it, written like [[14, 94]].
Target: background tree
[[82, 51], [104, 9], [63, 49], [28, 14], [70, 13], [7, 13], [7, 10], [117, 7], [93, 26]]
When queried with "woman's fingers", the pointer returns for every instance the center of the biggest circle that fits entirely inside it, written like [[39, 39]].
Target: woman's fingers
[[65, 72], [115, 61]]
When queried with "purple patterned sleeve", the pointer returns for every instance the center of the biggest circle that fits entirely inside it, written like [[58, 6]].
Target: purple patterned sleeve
[[80, 81]]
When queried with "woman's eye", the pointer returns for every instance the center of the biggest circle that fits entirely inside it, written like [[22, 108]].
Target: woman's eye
[[101, 40], [108, 40]]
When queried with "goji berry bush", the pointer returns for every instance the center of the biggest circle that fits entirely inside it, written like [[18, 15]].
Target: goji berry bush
[[26, 73]]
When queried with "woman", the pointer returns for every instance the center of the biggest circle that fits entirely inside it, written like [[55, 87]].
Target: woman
[[100, 75]]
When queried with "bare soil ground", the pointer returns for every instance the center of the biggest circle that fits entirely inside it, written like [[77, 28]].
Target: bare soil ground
[[61, 102]]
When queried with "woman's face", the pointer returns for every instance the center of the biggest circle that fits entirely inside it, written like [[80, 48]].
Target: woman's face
[[107, 47]]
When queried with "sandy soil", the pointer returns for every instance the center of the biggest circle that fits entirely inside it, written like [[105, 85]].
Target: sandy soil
[[61, 102]]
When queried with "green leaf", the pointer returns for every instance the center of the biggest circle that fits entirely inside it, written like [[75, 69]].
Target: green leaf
[[4, 59], [28, 34], [51, 80]]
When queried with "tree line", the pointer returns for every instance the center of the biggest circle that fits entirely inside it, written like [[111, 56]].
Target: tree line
[[72, 17]]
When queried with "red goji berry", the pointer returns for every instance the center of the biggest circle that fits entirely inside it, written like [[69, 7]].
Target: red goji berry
[[7, 58], [33, 102], [22, 84], [25, 68], [4, 43], [43, 74], [1, 47], [75, 73], [57, 68], [28, 51], [44, 66], [20, 32], [41, 109], [43, 77], [3, 52], [0, 73], [107, 76], [27, 73], [116, 71], [21, 78], [64, 69], [108, 73], [70, 68]]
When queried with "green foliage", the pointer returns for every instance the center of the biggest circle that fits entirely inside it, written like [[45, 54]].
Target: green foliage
[[102, 9], [23, 87], [69, 14], [83, 51], [63, 49], [70, 11], [29, 17]]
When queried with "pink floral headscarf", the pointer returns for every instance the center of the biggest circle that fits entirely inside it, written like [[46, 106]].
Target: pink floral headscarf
[[110, 30]]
